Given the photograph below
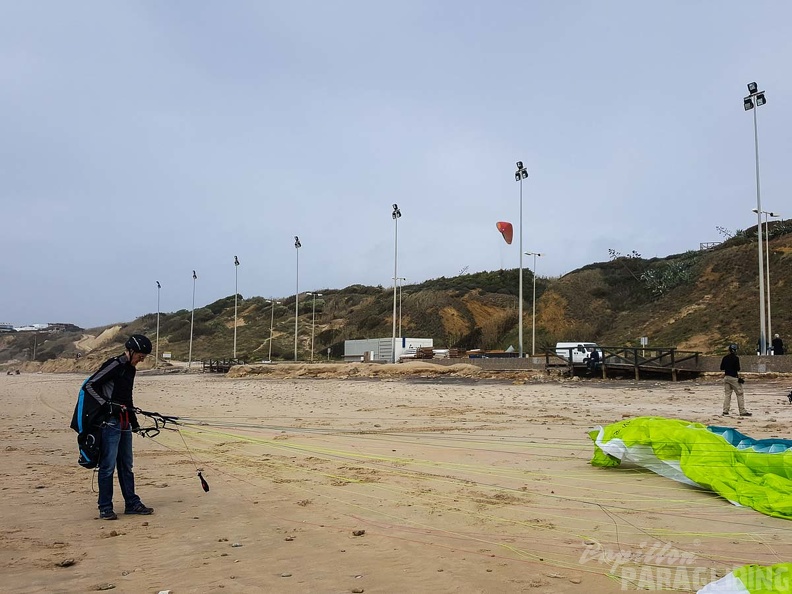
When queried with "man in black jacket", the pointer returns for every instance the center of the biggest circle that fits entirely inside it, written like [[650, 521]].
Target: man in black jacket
[[732, 382], [111, 386], [778, 345]]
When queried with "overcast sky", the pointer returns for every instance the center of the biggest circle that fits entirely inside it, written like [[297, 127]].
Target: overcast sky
[[142, 140]]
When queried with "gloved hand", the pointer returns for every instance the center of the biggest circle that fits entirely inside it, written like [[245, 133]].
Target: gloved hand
[[740, 380]]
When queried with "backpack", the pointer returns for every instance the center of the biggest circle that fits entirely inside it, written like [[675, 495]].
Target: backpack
[[87, 422]]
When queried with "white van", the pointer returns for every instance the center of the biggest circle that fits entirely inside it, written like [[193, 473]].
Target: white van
[[581, 351]]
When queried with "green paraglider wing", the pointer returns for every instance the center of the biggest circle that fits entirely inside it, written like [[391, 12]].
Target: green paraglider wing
[[753, 473]]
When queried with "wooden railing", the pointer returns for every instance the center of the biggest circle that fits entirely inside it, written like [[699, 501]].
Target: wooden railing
[[220, 365], [637, 359]]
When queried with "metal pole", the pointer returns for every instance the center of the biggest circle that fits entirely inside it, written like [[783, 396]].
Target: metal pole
[[396, 214], [520, 175], [236, 292], [533, 313], [762, 338], [521, 271], [313, 325], [767, 261], [395, 268], [297, 245], [192, 321], [533, 329], [156, 350]]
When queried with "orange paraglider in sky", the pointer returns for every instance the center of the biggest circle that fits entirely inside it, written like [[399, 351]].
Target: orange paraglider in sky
[[506, 230]]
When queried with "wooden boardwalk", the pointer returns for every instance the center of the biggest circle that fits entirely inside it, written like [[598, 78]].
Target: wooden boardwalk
[[636, 361]]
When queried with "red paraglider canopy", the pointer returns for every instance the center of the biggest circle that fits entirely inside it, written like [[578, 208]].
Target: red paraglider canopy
[[506, 230]]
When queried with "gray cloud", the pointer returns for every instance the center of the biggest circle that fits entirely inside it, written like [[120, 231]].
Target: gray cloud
[[141, 141]]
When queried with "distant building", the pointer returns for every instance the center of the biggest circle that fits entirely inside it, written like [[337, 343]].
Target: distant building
[[32, 328], [52, 327], [62, 327], [6, 327], [380, 350]]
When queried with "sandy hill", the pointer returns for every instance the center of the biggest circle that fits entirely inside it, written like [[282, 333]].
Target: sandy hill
[[699, 300]]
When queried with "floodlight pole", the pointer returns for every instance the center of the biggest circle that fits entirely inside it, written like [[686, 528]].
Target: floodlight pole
[[236, 293], [396, 214], [533, 315], [297, 246], [519, 176], [192, 321], [748, 103], [156, 349]]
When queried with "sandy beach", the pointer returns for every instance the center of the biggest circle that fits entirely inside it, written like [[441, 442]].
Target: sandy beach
[[403, 483]]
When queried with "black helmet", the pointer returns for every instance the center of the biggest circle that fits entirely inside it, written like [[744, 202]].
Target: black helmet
[[732, 348], [138, 343]]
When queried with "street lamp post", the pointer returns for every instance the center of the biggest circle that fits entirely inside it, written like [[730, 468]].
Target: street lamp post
[[313, 321], [272, 323], [156, 350], [754, 94], [236, 293], [401, 278], [768, 214], [396, 214], [192, 321], [297, 246], [533, 301], [519, 176]]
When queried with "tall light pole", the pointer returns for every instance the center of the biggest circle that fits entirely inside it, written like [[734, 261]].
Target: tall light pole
[[297, 246], [236, 292], [533, 315], [156, 350], [313, 321], [754, 94], [519, 176], [272, 324], [396, 216], [767, 262], [192, 321], [400, 279]]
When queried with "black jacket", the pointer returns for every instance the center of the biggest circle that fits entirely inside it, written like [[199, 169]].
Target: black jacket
[[113, 382], [730, 365]]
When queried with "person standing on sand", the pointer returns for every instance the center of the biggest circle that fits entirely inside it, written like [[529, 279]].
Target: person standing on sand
[[112, 386], [778, 345], [732, 382]]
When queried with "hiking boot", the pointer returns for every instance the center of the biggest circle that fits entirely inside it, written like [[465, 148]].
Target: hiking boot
[[726, 414], [107, 514], [140, 510], [746, 414]]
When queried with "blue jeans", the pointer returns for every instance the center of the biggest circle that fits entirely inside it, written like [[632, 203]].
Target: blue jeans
[[116, 452]]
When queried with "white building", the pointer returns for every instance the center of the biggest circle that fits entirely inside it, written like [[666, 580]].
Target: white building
[[32, 328], [380, 350]]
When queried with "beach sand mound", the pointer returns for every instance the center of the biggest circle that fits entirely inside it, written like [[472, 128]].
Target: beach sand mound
[[89, 342], [352, 370]]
